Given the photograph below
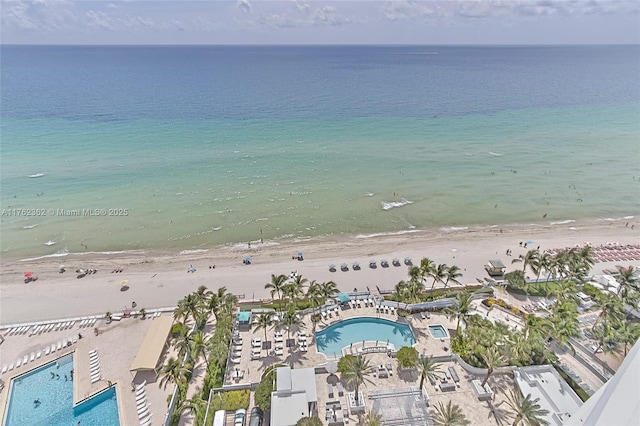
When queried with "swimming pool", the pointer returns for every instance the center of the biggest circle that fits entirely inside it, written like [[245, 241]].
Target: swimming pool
[[48, 385], [438, 331], [332, 339]]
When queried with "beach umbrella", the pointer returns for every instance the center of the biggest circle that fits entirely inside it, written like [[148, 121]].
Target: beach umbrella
[[28, 274], [124, 285], [331, 367]]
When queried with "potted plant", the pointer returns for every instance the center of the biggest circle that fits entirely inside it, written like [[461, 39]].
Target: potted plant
[[143, 313], [108, 317]]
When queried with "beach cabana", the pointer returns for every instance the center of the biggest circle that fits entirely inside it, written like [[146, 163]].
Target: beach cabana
[[343, 298], [300, 257], [247, 260], [244, 320], [152, 345]]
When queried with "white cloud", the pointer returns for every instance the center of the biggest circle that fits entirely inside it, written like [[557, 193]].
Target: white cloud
[[244, 5], [399, 10]]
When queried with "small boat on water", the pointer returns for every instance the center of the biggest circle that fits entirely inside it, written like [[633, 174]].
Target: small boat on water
[[36, 175], [50, 243]]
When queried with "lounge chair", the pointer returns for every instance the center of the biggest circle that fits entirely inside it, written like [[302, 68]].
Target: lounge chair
[[340, 389], [47, 350], [140, 394], [141, 403], [143, 411], [330, 390], [25, 359], [32, 357], [236, 360], [278, 352], [145, 421], [4, 369], [10, 367]]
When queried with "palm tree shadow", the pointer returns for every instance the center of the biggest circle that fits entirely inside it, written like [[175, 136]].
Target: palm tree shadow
[[327, 337], [500, 414], [409, 375], [500, 383]]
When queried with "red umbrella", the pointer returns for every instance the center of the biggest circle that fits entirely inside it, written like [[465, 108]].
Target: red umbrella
[[28, 274]]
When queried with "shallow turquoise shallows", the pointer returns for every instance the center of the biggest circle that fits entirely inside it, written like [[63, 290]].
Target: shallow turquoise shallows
[[438, 331], [332, 339], [47, 385]]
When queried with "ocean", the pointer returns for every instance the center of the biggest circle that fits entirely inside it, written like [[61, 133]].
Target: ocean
[[109, 148]]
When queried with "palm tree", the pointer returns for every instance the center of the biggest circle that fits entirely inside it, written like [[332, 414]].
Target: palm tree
[[196, 406], [439, 274], [525, 410], [370, 419], [492, 358], [216, 300], [428, 369], [264, 321], [315, 297], [276, 285], [460, 309], [449, 415], [199, 346], [357, 371], [289, 320], [629, 282], [628, 335], [173, 372], [452, 274], [298, 285], [329, 289], [564, 327], [427, 267], [527, 259], [545, 263], [182, 342], [187, 308]]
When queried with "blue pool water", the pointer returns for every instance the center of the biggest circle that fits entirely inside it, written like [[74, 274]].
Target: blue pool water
[[332, 339], [438, 331], [56, 400]]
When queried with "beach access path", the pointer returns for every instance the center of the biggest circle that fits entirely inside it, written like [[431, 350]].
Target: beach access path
[[161, 279]]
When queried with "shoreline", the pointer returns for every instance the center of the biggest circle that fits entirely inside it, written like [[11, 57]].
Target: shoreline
[[160, 278]]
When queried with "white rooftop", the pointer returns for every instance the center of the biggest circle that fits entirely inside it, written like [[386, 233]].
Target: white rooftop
[[287, 410], [554, 394], [295, 393], [295, 381]]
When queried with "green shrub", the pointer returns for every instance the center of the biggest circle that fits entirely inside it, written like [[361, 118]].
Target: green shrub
[[262, 396], [309, 421], [407, 356], [230, 400]]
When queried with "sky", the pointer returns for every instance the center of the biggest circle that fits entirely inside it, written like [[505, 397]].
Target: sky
[[320, 22]]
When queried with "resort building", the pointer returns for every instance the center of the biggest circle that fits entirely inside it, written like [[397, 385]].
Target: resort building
[[554, 394], [295, 396]]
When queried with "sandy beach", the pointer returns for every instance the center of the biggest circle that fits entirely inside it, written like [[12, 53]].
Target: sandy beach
[[161, 279]]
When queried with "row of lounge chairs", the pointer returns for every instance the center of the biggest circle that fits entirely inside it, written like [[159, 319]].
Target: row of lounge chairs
[[46, 327], [37, 355], [329, 312], [357, 303], [387, 309], [142, 405], [94, 366]]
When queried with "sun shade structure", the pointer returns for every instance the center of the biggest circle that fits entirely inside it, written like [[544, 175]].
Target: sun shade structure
[[153, 344], [343, 298]]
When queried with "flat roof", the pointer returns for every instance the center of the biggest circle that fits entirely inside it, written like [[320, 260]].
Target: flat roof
[[153, 344], [298, 380], [288, 409], [497, 264]]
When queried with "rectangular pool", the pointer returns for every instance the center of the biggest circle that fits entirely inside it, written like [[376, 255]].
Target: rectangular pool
[[44, 396]]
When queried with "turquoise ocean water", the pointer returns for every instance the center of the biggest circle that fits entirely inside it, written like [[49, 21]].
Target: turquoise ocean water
[[179, 148]]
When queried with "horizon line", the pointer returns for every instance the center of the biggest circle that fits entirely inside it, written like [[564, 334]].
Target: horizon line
[[313, 44]]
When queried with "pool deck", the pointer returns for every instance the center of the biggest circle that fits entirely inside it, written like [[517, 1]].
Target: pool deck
[[117, 344], [251, 370]]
